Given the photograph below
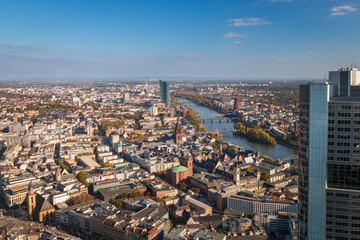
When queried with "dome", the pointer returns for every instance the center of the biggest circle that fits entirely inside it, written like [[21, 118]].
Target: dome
[[178, 169]]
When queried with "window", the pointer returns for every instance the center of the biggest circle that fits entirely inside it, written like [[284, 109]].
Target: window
[[343, 136], [346, 107], [343, 121], [343, 144], [344, 114], [343, 129]]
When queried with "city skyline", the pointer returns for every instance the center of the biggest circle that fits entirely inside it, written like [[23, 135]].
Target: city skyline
[[265, 39]]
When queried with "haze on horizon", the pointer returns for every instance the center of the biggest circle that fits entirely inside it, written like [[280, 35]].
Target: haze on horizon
[[204, 39]]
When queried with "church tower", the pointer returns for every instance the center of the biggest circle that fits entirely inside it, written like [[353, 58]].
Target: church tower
[[31, 200], [237, 175], [189, 164], [178, 137], [58, 175]]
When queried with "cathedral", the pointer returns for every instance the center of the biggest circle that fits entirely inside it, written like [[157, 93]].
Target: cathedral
[[178, 173], [39, 209]]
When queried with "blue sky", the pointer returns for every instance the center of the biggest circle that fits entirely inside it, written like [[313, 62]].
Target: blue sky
[[225, 39]]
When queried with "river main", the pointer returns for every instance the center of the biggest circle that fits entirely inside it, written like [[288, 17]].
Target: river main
[[276, 152]]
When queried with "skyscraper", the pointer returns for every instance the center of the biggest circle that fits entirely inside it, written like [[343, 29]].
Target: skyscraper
[[164, 92], [329, 157]]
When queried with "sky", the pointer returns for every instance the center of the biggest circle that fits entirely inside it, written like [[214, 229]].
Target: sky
[[177, 39]]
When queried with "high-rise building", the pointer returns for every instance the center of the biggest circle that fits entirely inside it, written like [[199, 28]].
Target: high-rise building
[[329, 157], [164, 92], [236, 104]]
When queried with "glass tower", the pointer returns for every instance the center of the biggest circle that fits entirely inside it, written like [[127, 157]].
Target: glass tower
[[329, 157], [164, 92]]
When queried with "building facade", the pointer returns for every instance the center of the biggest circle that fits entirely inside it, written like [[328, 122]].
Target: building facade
[[179, 173], [164, 92], [329, 157], [250, 205]]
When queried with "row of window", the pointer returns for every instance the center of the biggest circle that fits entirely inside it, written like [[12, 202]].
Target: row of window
[[344, 144], [332, 136], [344, 195], [343, 107]]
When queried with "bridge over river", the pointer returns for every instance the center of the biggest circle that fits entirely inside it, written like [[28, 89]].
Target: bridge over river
[[226, 128]]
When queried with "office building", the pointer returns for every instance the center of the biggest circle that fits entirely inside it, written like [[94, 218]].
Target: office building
[[164, 92], [252, 205], [329, 157]]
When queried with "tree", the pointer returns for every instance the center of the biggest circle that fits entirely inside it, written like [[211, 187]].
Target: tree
[[215, 145], [250, 170], [118, 203], [267, 159], [216, 136], [105, 165], [80, 199], [265, 176], [81, 178], [240, 128], [232, 149], [156, 199], [242, 118], [131, 195], [181, 186], [63, 166], [95, 132]]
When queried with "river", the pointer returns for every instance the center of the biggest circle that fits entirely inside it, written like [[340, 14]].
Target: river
[[276, 152]]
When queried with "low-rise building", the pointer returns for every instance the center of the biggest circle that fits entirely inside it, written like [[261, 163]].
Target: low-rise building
[[253, 205]]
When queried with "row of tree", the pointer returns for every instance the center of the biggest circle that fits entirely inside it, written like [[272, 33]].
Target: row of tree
[[254, 134]]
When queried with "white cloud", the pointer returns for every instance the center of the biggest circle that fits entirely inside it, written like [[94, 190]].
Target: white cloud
[[237, 42], [236, 22], [232, 35], [342, 10]]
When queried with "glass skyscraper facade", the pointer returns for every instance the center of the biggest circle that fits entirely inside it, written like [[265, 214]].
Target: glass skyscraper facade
[[164, 92], [329, 157]]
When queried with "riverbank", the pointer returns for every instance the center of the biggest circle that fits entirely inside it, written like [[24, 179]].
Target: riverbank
[[278, 151], [205, 102]]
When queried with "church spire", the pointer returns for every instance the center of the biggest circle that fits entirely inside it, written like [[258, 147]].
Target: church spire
[[177, 134]]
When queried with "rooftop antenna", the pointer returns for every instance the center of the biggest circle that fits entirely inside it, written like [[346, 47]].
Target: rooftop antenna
[[352, 64], [355, 66], [325, 78]]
